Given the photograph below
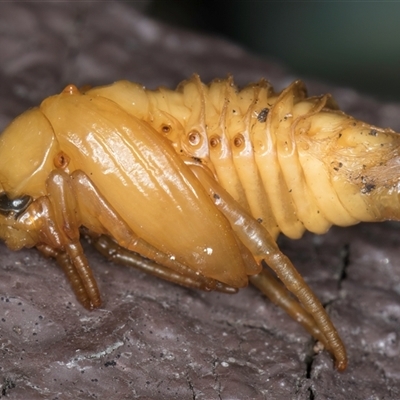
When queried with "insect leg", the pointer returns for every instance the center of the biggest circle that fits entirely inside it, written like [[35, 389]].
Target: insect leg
[[266, 282], [70, 271], [64, 207], [101, 218], [111, 250], [257, 239]]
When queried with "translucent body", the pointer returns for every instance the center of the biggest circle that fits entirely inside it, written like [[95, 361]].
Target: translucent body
[[200, 181]]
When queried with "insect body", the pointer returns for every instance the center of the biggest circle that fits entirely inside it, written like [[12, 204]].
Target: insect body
[[199, 181]]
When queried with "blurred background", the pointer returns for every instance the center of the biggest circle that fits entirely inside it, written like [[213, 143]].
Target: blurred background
[[348, 43]]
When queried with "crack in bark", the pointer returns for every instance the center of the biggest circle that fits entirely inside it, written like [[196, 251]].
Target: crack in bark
[[311, 395], [7, 385], [309, 363], [191, 387], [216, 378], [345, 262]]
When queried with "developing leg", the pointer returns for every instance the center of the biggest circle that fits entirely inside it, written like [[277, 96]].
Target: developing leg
[[70, 271], [256, 238], [111, 250], [71, 258], [279, 295]]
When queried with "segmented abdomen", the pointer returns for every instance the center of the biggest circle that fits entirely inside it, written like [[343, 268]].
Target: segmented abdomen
[[284, 157]]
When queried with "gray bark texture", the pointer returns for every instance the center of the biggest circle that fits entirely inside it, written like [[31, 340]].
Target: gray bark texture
[[155, 340]]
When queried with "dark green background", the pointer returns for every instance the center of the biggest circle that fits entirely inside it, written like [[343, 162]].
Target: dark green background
[[350, 43]]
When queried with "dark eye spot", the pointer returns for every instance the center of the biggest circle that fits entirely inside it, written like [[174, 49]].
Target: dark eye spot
[[214, 141], [238, 140], [194, 138], [166, 129], [61, 160]]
